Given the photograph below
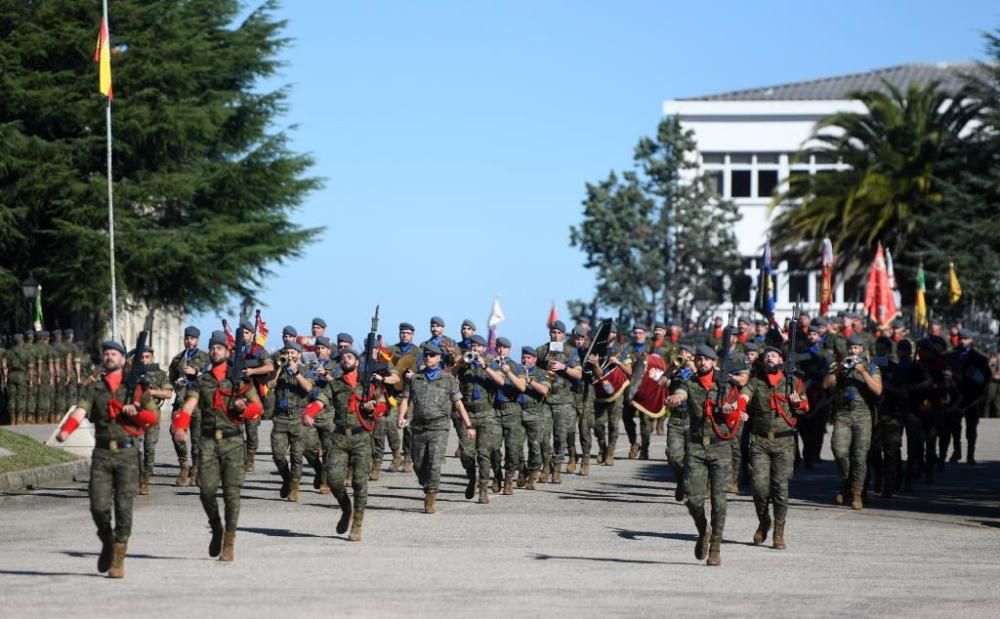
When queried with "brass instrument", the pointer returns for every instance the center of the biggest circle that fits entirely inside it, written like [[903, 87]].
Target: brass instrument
[[469, 357], [282, 362], [406, 363]]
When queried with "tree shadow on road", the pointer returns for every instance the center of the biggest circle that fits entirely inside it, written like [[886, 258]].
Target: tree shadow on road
[[39, 573]]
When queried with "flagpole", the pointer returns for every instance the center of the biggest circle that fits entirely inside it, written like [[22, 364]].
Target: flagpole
[[111, 204]]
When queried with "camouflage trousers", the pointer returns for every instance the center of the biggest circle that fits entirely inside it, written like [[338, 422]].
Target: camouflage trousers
[[350, 449], [17, 401], [317, 441], [430, 442], [512, 425], [584, 422], [149, 441], [678, 431], [386, 431], [221, 464], [773, 464], [607, 417], [533, 420], [252, 429], [645, 425], [43, 402], [563, 423], [489, 435], [114, 482], [467, 454], [703, 464], [288, 440], [180, 447], [852, 437], [886, 456]]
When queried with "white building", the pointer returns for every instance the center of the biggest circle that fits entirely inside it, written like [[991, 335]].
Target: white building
[[747, 141]]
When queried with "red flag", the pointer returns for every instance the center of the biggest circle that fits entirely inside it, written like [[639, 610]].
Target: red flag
[[261, 326], [879, 302], [553, 315], [230, 339], [826, 283]]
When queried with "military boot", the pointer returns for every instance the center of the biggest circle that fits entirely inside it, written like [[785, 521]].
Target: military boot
[[484, 493], [182, 477], [345, 511], [522, 475], [429, 497], [556, 474], [286, 481], [660, 426], [734, 483], [497, 474], [701, 545], [319, 478], [117, 569], [644, 452], [633, 452], [356, 524], [470, 488], [376, 473], [714, 552], [763, 526], [856, 502], [215, 544], [250, 461], [144, 483], [571, 462], [107, 549], [845, 491], [349, 480], [970, 453], [293, 491], [397, 461], [602, 452], [609, 458], [585, 465], [508, 485], [532, 479], [228, 546], [193, 479], [779, 534], [407, 464]]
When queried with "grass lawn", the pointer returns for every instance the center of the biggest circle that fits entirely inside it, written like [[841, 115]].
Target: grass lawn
[[29, 453]]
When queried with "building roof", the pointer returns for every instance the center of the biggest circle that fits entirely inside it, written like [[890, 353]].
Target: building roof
[[840, 87]]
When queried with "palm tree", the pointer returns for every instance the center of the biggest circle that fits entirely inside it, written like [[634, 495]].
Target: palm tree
[[894, 159]]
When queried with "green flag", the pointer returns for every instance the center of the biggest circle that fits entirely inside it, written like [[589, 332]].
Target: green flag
[[38, 309]]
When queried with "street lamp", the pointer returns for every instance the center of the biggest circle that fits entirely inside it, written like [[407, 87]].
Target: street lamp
[[30, 288]]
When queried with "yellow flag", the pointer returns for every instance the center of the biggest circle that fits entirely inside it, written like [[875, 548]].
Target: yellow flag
[[102, 56], [954, 288], [920, 307]]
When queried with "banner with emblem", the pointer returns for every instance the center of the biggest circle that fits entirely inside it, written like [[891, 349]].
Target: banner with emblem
[[826, 282]]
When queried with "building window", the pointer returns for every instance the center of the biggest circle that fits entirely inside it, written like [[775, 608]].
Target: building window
[[742, 285], [767, 180], [746, 158], [740, 184], [798, 286], [767, 158], [713, 157], [715, 182]]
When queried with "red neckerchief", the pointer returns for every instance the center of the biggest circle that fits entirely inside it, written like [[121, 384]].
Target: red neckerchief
[[847, 331], [777, 398], [113, 381], [674, 337], [742, 337], [351, 380], [221, 395], [774, 379], [706, 380], [717, 333]]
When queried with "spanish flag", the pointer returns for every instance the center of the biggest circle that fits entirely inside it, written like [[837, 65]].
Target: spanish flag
[[954, 288], [102, 56], [920, 307]]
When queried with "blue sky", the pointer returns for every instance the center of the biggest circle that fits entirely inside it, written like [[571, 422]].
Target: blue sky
[[455, 138]]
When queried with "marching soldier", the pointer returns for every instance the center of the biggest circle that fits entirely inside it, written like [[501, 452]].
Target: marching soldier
[[78, 361], [158, 385], [608, 404], [385, 425], [446, 344], [583, 403], [114, 470], [18, 371], [225, 407], [773, 402], [563, 365], [288, 437], [511, 383], [183, 372], [405, 348], [709, 451], [321, 374], [351, 443], [46, 382], [635, 367], [971, 371], [901, 382], [477, 388], [468, 329], [856, 384], [59, 366], [432, 393], [258, 367], [536, 387], [34, 377], [678, 426]]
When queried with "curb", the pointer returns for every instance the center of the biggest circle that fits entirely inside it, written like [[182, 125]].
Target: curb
[[29, 479]]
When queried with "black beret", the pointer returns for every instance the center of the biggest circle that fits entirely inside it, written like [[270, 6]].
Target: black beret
[[18, 337], [29, 333], [964, 333], [247, 326], [745, 319], [819, 321], [760, 321], [293, 346], [430, 348], [345, 337], [56, 332], [750, 347], [738, 366], [502, 341], [688, 348], [192, 331], [814, 328], [558, 325], [884, 341], [639, 327], [896, 324], [323, 340], [437, 320], [774, 349], [319, 322], [405, 326], [529, 350], [43, 333], [468, 323], [659, 325], [578, 332], [706, 351], [478, 339], [218, 338], [67, 332], [348, 351], [855, 340], [112, 345], [904, 344], [289, 330]]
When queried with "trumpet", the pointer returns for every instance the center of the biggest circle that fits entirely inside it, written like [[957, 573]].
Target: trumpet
[[282, 361], [848, 363]]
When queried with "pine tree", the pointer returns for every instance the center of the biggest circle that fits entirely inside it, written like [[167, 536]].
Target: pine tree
[[204, 184]]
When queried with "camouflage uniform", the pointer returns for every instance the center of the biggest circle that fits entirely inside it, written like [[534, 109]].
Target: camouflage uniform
[[46, 388], [114, 468], [678, 436], [157, 379], [477, 395], [533, 418], [393, 432], [635, 356], [971, 372], [583, 404], [288, 435], [772, 447], [18, 362], [559, 403], [898, 412], [853, 410], [607, 417], [320, 436], [507, 405], [197, 359], [431, 401]]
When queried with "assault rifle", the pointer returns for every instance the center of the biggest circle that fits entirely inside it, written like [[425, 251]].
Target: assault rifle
[[137, 372], [791, 367], [371, 363]]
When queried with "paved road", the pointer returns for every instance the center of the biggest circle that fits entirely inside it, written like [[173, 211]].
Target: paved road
[[612, 544]]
